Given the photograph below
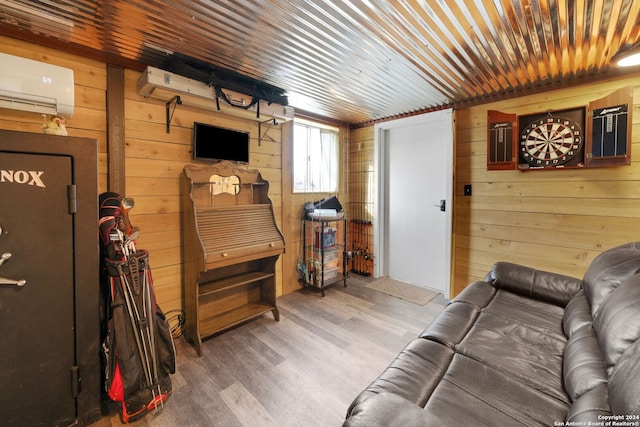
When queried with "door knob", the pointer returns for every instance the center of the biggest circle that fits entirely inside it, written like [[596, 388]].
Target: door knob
[[442, 205]]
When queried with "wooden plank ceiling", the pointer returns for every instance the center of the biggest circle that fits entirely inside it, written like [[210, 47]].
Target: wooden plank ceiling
[[352, 60]]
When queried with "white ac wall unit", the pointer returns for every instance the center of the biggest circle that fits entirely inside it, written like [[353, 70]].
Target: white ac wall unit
[[164, 85], [35, 86]]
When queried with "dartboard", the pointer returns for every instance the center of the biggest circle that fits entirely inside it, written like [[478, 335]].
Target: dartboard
[[550, 141]]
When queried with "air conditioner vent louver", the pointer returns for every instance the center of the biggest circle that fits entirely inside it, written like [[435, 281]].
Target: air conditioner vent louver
[[29, 85]]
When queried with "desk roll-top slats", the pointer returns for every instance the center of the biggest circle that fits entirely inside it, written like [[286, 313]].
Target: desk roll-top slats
[[231, 245], [238, 232]]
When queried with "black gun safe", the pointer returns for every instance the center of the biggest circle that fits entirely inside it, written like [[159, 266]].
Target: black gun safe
[[49, 280]]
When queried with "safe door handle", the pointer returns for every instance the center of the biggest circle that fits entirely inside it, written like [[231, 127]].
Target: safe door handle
[[5, 256], [5, 281]]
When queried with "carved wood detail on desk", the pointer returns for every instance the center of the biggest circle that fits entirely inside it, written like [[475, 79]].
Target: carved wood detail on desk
[[231, 245]]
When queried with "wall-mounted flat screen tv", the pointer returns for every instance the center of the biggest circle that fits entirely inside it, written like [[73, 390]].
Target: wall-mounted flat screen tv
[[212, 143]]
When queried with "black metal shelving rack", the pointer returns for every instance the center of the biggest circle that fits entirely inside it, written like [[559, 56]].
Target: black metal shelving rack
[[325, 257]]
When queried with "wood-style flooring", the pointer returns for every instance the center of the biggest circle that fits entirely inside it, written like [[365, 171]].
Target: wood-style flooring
[[301, 371]]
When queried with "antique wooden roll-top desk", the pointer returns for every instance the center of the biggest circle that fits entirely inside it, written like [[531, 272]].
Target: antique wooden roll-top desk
[[231, 245]]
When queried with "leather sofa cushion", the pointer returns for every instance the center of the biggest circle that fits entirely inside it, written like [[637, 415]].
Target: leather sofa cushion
[[474, 394], [589, 406], [533, 313], [577, 314], [542, 285], [469, 394], [487, 404], [523, 338], [527, 365], [583, 368], [608, 270], [413, 374], [617, 323]]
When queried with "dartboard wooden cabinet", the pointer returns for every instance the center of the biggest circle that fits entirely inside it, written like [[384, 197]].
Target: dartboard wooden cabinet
[[595, 135]]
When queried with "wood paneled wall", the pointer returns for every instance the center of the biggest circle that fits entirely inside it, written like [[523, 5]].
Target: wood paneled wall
[[556, 220]]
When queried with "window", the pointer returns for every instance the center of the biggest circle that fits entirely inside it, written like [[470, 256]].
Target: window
[[315, 158]]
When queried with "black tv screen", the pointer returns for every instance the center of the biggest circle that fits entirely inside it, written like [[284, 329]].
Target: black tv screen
[[212, 143]]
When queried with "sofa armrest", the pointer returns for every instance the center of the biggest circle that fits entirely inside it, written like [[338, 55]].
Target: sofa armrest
[[389, 410], [543, 285]]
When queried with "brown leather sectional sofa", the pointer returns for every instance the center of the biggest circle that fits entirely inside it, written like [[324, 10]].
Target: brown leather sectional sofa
[[522, 348]]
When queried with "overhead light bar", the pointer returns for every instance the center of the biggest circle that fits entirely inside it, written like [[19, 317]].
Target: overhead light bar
[[627, 57]]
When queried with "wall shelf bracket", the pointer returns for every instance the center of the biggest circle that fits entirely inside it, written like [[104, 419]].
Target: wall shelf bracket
[[261, 136], [177, 101]]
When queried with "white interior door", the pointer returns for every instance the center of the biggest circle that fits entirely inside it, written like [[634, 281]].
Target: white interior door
[[415, 158]]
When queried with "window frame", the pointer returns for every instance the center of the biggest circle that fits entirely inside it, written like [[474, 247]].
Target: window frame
[[333, 159]]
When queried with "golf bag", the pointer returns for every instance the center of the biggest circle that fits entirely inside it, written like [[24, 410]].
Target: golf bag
[[137, 346]]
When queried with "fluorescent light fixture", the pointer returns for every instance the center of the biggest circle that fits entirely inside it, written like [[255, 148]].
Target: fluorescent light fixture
[[627, 57]]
